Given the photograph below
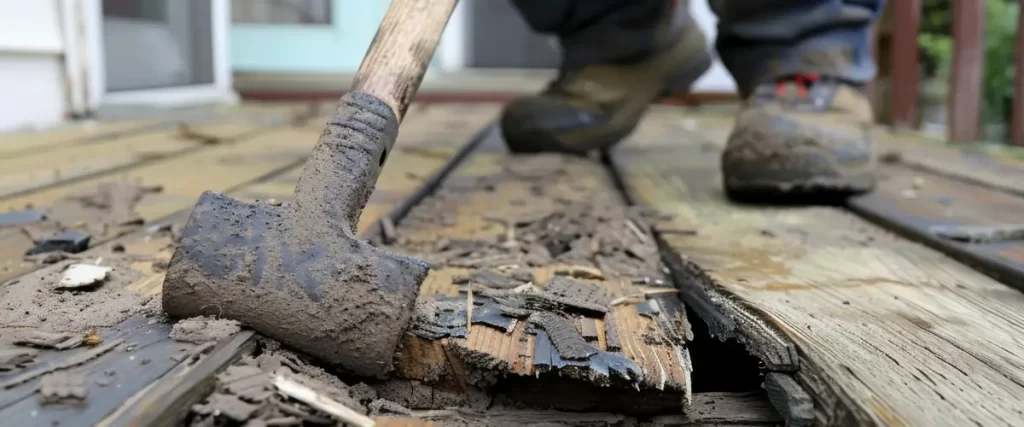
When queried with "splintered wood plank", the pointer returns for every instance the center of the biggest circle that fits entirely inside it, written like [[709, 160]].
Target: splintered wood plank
[[469, 206], [150, 253], [974, 224], [878, 330]]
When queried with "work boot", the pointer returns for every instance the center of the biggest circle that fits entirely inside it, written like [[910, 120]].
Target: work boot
[[804, 133], [596, 106]]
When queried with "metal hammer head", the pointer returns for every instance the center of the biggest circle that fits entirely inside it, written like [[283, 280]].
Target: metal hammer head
[[297, 273]]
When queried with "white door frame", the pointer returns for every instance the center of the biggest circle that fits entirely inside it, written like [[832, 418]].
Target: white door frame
[[96, 93]]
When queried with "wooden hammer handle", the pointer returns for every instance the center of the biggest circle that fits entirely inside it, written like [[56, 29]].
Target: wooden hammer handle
[[401, 51]]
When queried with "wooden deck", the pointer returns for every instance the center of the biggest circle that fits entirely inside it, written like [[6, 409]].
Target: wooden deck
[[900, 307]]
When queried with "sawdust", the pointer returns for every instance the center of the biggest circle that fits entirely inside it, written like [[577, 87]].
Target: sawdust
[[204, 329], [31, 302]]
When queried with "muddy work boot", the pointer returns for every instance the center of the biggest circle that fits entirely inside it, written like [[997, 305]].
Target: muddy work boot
[[804, 134], [596, 106]]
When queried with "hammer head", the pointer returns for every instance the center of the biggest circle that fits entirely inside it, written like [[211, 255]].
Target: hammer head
[[296, 273]]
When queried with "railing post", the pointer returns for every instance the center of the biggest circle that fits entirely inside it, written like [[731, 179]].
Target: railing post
[[903, 60], [1017, 121], [968, 70]]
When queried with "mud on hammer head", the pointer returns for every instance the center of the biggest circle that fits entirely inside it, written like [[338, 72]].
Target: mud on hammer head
[[297, 273]]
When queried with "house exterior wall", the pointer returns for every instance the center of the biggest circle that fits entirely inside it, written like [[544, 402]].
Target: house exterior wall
[[32, 89]]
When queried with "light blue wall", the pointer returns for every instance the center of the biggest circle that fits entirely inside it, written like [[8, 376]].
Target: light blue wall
[[309, 48]]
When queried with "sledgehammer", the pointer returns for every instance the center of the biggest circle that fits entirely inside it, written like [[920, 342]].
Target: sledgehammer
[[297, 273]]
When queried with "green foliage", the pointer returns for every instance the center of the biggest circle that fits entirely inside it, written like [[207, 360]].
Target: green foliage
[[936, 43]]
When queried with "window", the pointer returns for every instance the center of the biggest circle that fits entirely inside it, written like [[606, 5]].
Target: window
[[303, 12]]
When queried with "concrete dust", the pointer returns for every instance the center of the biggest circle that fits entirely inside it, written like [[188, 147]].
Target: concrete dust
[[204, 329], [31, 302]]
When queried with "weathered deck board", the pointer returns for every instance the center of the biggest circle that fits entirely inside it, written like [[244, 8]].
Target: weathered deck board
[[947, 213], [27, 143], [471, 216], [970, 164], [183, 178], [428, 150], [25, 173], [879, 331], [13, 144]]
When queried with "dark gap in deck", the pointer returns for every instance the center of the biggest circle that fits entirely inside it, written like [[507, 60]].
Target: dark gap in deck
[[718, 365]]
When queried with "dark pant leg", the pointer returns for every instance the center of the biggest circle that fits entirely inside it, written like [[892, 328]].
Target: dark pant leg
[[760, 41], [599, 31]]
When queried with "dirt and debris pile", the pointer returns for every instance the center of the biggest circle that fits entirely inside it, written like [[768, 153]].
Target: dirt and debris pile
[[62, 298], [278, 387]]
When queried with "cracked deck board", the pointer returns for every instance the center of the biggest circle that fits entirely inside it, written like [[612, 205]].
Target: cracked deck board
[[666, 367], [921, 204], [420, 133], [884, 331]]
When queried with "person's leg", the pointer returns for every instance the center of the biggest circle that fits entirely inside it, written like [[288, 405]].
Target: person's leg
[[617, 57], [802, 66]]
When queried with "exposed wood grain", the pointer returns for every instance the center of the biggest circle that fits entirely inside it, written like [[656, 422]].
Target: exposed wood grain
[[887, 332], [920, 204], [401, 51], [146, 395], [665, 365]]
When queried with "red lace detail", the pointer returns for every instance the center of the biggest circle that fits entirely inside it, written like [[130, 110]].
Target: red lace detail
[[803, 83]]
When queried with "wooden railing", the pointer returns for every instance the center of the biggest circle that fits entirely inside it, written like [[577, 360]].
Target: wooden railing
[[966, 73]]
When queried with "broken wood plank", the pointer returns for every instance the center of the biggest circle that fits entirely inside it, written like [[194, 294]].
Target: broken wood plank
[[151, 251], [526, 190], [974, 224], [885, 331]]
